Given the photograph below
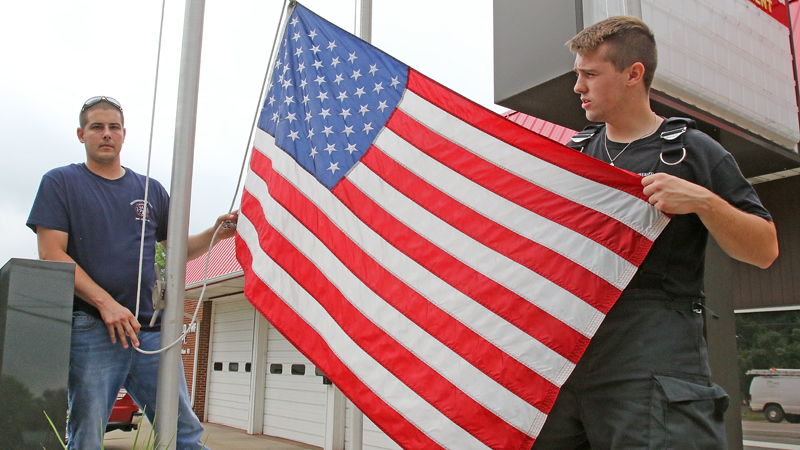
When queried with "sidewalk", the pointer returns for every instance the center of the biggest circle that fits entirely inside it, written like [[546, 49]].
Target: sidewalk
[[219, 437]]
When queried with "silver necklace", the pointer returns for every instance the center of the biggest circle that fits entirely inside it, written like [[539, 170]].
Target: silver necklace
[[605, 141]]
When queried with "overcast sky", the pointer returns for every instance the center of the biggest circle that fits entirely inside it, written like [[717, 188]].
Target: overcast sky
[[56, 54]]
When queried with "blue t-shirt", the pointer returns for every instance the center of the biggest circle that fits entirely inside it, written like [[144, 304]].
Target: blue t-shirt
[[103, 221]]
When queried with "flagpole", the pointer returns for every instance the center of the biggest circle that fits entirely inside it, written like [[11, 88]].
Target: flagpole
[[365, 33], [169, 372]]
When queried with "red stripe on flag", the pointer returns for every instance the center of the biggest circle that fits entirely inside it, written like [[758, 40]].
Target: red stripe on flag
[[314, 347], [511, 133], [457, 406], [560, 270], [599, 227], [492, 361], [543, 327]]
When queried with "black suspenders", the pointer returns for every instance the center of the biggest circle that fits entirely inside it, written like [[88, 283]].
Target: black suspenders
[[673, 150]]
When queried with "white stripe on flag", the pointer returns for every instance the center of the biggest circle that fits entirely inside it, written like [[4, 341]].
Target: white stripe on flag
[[396, 394], [619, 205], [473, 382], [538, 290], [487, 324], [580, 249]]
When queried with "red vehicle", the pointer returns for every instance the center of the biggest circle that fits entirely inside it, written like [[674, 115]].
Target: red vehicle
[[126, 415]]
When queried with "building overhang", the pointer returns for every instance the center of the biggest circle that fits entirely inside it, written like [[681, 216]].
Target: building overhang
[[533, 75]]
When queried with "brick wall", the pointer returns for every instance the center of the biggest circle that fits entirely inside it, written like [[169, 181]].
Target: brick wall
[[188, 353]]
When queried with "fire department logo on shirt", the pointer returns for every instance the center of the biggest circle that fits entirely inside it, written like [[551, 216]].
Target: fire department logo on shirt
[[138, 206]]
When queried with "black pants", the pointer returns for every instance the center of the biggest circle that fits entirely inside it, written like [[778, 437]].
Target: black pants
[[643, 383]]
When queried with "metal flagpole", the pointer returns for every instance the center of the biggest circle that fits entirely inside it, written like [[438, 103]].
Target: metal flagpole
[[169, 371], [632, 8], [357, 417]]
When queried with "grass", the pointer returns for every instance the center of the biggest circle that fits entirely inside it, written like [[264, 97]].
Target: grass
[[148, 444], [753, 416]]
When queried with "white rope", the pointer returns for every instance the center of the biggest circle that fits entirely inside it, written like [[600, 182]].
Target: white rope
[[199, 301], [149, 156], [275, 44]]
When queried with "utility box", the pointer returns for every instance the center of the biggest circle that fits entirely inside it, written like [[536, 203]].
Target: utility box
[[35, 329]]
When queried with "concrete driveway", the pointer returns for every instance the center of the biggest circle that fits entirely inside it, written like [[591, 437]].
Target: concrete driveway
[[219, 437]]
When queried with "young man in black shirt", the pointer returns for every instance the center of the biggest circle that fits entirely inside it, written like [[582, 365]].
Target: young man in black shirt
[[643, 382]]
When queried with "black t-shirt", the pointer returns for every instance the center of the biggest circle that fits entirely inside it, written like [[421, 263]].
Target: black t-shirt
[[679, 253]]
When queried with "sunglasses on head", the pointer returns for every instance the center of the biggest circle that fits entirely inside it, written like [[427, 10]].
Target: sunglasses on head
[[95, 100]]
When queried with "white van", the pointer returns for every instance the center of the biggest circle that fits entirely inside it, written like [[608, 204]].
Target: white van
[[777, 393]]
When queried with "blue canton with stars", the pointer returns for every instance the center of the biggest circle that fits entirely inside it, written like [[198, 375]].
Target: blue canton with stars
[[329, 95]]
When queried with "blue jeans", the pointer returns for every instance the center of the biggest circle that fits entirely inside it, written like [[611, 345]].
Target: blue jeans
[[98, 368]]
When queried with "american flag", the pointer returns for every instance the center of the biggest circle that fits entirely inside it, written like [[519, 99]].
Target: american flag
[[443, 266]]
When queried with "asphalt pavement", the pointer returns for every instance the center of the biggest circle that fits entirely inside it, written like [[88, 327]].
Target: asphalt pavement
[[766, 435], [757, 436]]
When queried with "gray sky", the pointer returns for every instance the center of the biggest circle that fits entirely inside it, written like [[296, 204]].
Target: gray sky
[[56, 54]]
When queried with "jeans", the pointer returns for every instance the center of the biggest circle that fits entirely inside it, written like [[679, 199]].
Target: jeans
[[97, 370]]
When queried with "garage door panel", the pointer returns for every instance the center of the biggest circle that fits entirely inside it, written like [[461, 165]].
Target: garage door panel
[[282, 351], [237, 335], [234, 304], [229, 390], [234, 325], [296, 396], [297, 436], [228, 402], [227, 378], [375, 439], [294, 405], [297, 411], [231, 355], [234, 315], [287, 422], [302, 382], [228, 416], [231, 342]]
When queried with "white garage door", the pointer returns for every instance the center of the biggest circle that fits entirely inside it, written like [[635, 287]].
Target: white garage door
[[375, 439], [230, 355], [372, 438], [294, 397]]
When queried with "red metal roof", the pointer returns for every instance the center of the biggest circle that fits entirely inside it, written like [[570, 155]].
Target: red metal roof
[[543, 127], [223, 256], [222, 262]]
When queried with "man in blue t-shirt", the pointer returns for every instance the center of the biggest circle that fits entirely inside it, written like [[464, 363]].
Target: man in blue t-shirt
[[92, 214]]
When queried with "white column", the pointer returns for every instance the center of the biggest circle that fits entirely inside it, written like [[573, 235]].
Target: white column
[[356, 427], [334, 419], [258, 374]]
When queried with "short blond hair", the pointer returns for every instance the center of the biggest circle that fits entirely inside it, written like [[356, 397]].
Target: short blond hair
[[628, 40]]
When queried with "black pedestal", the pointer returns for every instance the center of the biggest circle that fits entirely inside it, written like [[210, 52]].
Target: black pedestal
[[35, 328]]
